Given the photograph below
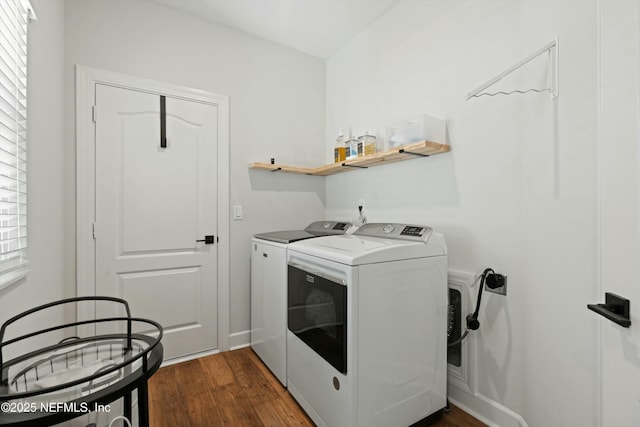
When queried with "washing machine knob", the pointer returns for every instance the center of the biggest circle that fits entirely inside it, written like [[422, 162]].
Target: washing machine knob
[[388, 228]]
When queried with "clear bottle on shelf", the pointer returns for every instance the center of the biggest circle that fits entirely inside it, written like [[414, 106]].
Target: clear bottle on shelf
[[339, 151], [366, 145], [351, 147]]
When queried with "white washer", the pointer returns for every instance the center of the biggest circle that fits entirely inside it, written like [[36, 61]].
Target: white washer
[[367, 321], [269, 291]]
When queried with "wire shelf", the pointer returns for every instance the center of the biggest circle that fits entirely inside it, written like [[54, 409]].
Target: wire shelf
[[79, 372]]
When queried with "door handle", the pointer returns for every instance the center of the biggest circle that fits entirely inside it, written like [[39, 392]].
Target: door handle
[[163, 121], [208, 240]]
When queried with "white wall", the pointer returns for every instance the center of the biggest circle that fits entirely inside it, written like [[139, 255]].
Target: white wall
[[45, 149], [619, 191], [276, 100], [516, 193]]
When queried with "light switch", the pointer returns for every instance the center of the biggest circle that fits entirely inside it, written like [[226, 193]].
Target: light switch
[[237, 211]]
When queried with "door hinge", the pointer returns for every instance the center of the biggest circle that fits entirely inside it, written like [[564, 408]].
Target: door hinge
[[93, 229], [94, 113]]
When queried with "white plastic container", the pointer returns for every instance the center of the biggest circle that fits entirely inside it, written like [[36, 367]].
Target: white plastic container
[[394, 136], [416, 129], [425, 128]]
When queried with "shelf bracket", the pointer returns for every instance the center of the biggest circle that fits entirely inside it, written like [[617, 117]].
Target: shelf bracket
[[354, 166], [403, 151]]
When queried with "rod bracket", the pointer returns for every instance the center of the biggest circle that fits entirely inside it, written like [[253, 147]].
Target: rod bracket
[[615, 308]]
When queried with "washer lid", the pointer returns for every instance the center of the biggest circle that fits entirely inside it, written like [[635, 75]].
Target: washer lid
[[286, 236], [358, 250], [315, 229]]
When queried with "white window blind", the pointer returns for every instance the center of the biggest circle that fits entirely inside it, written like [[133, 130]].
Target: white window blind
[[14, 21]]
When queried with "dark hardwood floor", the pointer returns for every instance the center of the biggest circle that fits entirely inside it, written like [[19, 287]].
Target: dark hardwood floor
[[236, 389]]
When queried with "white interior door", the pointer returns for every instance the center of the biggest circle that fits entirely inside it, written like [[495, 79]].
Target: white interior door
[[619, 207], [152, 205]]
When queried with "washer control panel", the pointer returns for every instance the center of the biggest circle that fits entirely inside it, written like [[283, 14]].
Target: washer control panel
[[396, 231], [413, 230], [327, 227]]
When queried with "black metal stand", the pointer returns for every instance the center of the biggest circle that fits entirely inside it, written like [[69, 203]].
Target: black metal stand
[[126, 361]]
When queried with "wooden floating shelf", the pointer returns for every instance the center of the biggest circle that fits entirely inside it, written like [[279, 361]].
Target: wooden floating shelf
[[403, 152]]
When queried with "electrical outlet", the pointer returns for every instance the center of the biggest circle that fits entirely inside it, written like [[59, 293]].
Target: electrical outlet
[[501, 289]]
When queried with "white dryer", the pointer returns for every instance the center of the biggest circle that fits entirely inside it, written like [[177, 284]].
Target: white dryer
[[367, 322], [269, 290]]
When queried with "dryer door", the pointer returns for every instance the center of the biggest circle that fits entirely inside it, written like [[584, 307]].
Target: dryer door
[[317, 314]]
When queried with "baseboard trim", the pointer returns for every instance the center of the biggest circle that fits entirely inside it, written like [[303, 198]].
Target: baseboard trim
[[188, 357], [484, 409], [238, 340]]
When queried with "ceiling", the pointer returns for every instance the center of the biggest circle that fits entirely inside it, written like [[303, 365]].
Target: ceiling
[[316, 27]]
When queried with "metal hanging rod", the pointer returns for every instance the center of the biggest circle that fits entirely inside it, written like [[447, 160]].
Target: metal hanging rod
[[552, 74]]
